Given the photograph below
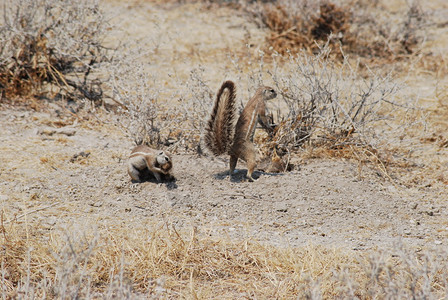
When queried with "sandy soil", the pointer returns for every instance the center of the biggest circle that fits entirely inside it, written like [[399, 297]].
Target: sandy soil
[[47, 183], [56, 172]]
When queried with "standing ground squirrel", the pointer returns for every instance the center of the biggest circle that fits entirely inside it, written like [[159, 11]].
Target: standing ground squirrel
[[145, 161], [223, 136]]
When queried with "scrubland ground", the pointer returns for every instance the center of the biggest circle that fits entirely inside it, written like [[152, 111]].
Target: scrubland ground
[[337, 225]]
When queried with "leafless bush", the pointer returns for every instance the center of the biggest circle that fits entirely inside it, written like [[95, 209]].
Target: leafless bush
[[330, 104], [137, 94], [196, 105], [323, 102], [157, 117], [152, 115], [52, 48], [372, 35]]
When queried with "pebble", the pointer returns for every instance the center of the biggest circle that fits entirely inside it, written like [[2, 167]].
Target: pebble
[[97, 204]]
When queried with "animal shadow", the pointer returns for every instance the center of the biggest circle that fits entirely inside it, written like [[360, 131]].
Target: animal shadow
[[167, 179], [238, 175]]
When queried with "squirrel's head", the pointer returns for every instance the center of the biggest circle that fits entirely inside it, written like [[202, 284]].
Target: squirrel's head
[[268, 93], [164, 161]]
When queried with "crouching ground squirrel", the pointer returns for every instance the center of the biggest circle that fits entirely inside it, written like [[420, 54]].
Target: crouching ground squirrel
[[145, 162], [223, 136]]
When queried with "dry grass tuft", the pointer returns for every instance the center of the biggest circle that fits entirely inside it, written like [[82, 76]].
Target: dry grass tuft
[[159, 261]]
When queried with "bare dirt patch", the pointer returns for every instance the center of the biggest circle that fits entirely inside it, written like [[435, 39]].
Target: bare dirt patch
[[329, 202]]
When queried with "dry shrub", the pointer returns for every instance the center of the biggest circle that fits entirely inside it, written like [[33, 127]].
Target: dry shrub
[[51, 49], [359, 27], [196, 106], [158, 261], [328, 104], [300, 29], [134, 89], [153, 115]]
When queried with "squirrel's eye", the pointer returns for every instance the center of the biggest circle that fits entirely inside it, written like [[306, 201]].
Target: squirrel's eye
[[160, 153]]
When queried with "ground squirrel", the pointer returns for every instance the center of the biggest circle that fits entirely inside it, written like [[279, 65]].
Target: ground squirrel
[[145, 161], [223, 136]]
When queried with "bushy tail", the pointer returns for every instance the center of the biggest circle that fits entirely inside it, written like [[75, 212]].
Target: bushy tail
[[220, 128]]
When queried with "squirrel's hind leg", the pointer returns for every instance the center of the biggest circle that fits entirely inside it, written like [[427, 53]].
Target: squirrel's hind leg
[[250, 158], [233, 161]]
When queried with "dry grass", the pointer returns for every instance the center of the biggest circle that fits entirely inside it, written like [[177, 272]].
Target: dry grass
[[158, 261], [358, 28]]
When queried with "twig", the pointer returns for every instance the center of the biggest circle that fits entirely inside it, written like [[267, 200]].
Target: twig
[[32, 211], [284, 33]]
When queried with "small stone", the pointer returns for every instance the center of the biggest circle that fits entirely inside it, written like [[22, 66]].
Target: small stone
[[281, 207], [97, 204], [66, 131], [51, 220]]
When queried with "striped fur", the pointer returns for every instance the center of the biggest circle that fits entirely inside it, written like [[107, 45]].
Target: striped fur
[[224, 135], [145, 160], [220, 128]]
